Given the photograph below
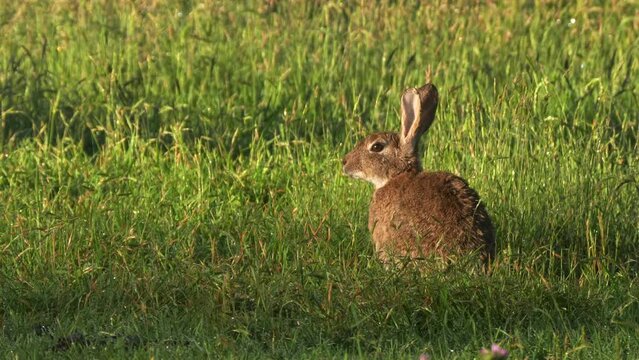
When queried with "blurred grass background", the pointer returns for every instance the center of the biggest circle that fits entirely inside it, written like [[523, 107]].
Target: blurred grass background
[[171, 170]]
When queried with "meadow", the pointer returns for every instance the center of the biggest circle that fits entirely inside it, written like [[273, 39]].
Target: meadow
[[171, 184]]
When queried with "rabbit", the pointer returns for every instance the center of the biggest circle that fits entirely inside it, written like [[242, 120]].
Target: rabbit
[[414, 213]]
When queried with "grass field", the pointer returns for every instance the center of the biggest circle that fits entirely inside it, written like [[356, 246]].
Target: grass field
[[171, 186]]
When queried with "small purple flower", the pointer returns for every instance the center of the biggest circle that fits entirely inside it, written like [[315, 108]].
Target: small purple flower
[[496, 352], [424, 356]]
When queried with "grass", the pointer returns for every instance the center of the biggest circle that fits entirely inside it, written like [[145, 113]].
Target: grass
[[170, 179]]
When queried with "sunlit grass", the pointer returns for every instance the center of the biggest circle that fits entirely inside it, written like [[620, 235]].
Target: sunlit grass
[[171, 171]]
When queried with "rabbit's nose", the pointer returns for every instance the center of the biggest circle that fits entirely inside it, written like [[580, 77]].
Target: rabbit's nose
[[344, 161]]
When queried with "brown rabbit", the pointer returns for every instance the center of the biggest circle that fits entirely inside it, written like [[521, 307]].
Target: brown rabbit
[[415, 213]]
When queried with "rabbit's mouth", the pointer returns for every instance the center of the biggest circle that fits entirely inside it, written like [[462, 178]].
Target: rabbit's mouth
[[360, 175], [357, 174]]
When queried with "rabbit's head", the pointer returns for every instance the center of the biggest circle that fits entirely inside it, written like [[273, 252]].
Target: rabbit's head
[[382, 156]]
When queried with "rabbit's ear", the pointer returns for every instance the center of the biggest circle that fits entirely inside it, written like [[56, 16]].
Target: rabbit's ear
[[418, 112]]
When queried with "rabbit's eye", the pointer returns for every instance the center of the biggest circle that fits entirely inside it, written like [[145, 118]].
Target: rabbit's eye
[[377, 147]]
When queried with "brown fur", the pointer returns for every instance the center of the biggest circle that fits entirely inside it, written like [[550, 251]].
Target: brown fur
[[415, 213]]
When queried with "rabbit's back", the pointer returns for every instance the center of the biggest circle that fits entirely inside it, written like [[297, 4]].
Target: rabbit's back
[[422, 213]]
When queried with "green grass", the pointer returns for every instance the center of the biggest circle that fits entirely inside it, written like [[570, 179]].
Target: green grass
[[171, 171]]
